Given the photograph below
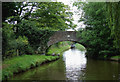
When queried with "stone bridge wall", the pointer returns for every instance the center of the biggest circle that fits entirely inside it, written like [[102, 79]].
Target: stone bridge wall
[[62, 36]]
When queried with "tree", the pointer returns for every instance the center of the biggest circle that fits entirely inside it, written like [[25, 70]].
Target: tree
[[8, 10], [17, 11], [48, 15], [36, 37], [52, 16], [96, 35], [47, 18], [113, 12], [34, 22]]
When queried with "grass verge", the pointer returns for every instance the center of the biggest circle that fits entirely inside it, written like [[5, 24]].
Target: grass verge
[[80, 47], [22, 63], [62, 48], [115, 58], [58, 50]]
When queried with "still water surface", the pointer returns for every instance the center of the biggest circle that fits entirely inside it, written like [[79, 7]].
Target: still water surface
[[73, 66]]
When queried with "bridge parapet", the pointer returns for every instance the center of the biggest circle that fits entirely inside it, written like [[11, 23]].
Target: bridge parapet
[[62, 36]]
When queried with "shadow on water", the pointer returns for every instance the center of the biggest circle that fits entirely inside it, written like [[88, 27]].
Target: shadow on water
[[73, 66]]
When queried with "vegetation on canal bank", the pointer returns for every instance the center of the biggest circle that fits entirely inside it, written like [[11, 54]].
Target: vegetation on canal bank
[[115, 58], [31, 32], [57, 50], [101, 34], [80, 47], [62, 46], [22, 63]]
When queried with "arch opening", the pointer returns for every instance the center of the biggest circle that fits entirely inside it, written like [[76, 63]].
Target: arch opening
[[64, 45]]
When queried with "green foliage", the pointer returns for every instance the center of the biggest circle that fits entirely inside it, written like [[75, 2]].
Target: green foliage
[[7, 37], [30, 28], [11, 43], [36, 36], [113, 19], [116, 57], [58, 50], [22, 63], [17, 11], [96, 35], [62, 47], [8, 10], [53, 16], [80, 47], [23, 46]]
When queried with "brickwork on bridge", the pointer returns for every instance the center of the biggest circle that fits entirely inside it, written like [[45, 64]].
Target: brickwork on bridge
[[62, 36]]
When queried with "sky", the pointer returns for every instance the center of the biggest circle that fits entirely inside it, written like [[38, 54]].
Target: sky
[[75, 11]]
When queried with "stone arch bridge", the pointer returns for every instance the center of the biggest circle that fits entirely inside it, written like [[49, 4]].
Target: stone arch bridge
[[63, 36]]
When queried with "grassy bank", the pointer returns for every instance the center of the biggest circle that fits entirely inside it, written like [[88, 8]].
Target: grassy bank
[[22, 63], [62, 48], [58, 50], [80, 47], [115, 58]]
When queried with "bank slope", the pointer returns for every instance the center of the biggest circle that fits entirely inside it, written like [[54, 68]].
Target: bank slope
[[22, 63]]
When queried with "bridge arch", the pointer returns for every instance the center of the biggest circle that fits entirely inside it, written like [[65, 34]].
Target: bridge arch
[[60, 36]]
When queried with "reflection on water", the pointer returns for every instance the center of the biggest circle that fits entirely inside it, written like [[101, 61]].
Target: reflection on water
[[73, 66], [75, 63]]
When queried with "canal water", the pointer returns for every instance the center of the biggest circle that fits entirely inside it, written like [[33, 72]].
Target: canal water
[[73, 66]]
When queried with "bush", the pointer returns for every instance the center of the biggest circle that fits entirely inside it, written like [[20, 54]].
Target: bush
[[106, 53], [29, 50]]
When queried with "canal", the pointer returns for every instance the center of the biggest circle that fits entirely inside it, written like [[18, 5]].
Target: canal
[[73, 66]]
